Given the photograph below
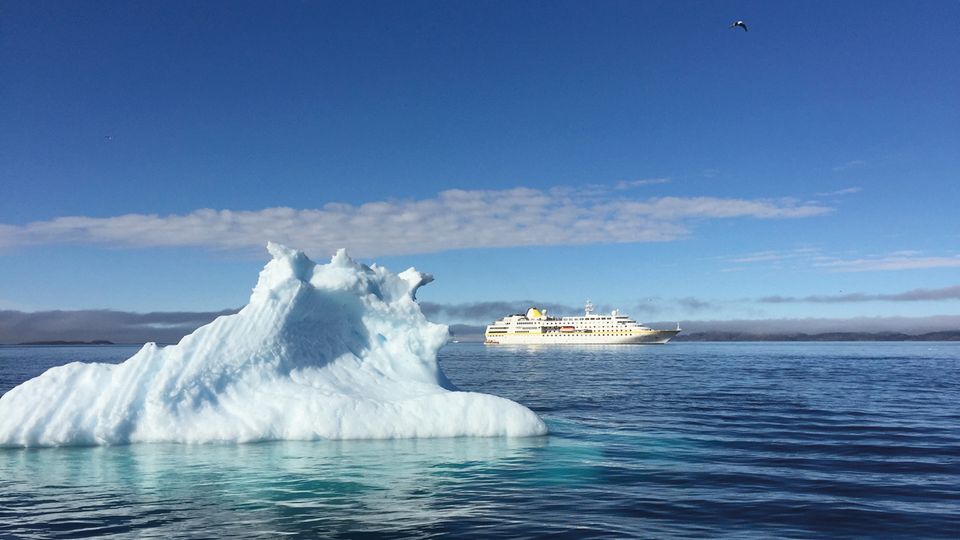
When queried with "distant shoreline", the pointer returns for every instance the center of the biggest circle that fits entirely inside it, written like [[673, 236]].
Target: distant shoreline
[[67, 342], [472, 337], [948, 335]]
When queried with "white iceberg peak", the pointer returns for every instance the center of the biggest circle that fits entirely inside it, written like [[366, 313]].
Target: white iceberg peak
[[322, 351]]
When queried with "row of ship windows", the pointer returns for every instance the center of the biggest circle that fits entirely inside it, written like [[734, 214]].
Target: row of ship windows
[[559, 325], [594, 319], [579, 319], [554, 328], [502, 332], [591, 318], [572, 334]]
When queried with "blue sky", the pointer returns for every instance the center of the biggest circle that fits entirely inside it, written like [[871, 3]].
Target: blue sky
[[641, 154]]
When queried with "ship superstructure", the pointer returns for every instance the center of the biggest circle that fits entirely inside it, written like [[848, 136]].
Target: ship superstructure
[[535, 327]]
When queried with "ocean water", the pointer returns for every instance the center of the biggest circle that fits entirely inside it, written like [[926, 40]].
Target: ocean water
[[686, 440]]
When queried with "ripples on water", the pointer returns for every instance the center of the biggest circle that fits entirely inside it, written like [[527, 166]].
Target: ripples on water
[[685, 440]]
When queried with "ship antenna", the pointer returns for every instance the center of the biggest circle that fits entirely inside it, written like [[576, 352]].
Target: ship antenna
[[588, 309]]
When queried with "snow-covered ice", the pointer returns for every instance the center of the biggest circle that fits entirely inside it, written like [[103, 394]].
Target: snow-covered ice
[[322, 351]]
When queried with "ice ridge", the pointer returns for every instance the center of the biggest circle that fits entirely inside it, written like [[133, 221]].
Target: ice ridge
[[322, 351]]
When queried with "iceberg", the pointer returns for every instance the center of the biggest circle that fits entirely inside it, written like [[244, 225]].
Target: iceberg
[[321, 351]]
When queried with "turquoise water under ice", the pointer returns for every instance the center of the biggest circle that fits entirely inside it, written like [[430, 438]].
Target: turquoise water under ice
[[684, 440]]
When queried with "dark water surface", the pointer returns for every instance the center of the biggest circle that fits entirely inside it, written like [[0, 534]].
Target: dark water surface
[[738, 440]]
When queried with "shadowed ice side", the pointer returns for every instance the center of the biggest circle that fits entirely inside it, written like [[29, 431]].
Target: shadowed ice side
[[330, 351]]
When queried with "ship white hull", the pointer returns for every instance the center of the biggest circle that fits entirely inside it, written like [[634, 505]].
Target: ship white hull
[[656, 337]]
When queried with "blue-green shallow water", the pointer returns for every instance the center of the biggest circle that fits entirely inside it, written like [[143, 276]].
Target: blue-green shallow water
[[684, 440]]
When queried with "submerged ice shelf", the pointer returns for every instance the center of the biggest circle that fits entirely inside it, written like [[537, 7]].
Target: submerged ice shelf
[[322, 351]]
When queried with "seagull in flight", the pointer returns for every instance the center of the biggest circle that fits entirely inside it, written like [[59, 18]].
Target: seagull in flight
[[741, 24]]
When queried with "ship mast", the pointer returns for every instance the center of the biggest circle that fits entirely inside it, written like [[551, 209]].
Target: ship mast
[[588, 309]]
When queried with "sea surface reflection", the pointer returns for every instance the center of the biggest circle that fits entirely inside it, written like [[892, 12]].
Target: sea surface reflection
[[689, 440], [313, 487]]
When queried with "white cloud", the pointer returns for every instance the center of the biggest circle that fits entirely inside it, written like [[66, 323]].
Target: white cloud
[[845, 191], [893, 262], [775, 256], [813, 257], [451, 220], [629, 184], [852, 164]]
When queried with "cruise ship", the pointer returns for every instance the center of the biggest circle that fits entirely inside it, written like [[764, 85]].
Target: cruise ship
[[536, 327]]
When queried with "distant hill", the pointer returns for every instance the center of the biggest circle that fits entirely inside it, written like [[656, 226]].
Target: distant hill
[[61, 342], [471, 333], [828, 336], [104, 327], [466, 332]]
